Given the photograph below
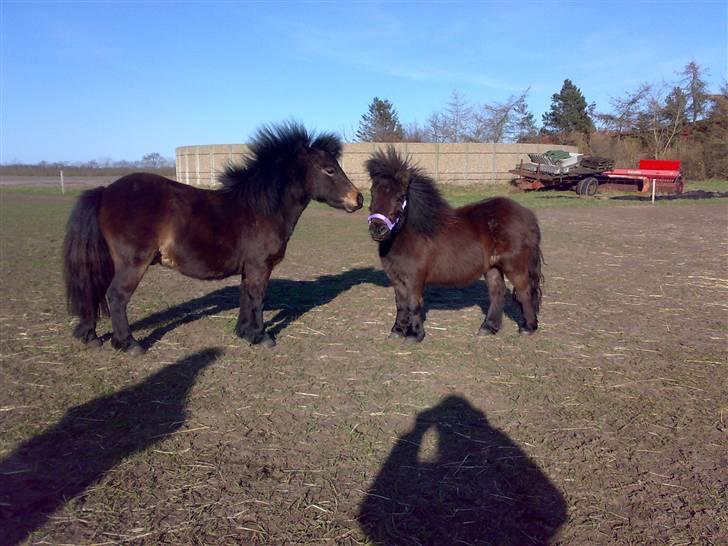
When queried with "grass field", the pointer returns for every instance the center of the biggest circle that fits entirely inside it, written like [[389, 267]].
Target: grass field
[[457, 195], [606, 427]]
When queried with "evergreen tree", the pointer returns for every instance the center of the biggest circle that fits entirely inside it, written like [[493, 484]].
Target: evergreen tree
[[525, 124], [569, 112], [715, 155], [380, 123], [676, 106], [696, 90]]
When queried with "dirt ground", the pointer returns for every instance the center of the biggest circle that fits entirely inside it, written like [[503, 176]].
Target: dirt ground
[[606, 427]]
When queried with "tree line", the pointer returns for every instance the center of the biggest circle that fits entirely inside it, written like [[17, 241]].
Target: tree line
[[151, 162], [678, 120]]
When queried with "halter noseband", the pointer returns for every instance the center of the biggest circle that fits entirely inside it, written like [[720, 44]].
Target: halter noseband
[[387, 222]]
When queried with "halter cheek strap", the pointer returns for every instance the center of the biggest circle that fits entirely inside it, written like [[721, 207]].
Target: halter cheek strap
[[387, 222]]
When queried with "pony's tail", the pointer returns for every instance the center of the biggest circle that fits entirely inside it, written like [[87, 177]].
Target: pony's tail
[[535, 277], [87, 264]]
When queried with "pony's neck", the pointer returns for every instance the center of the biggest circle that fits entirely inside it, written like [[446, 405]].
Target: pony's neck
[[427, 211], [295, 201]]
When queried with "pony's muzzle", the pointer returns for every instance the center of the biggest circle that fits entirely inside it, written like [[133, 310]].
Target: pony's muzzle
[[353, 202], [378, 230]]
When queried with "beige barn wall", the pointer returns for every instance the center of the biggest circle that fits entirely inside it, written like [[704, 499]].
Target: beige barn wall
[[457, 164]]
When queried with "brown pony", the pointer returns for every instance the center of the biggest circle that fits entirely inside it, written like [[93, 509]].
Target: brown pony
[[423, 240], [116, 232]]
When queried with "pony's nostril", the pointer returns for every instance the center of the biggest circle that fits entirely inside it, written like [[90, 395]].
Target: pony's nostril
[[359, 200]]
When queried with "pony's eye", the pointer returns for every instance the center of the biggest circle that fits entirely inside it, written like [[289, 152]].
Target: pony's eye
[[330, 171]]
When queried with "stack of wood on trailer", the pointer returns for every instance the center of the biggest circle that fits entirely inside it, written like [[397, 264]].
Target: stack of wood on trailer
[[597, 164]]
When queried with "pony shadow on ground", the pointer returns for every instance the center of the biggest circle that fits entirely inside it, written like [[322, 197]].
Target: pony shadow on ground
[[439, 297], [478, 488], [43, 473], [293, 299], [695, 194]]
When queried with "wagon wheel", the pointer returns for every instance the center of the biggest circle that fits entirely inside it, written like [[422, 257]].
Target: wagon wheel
[[679, 185], [588, 186], [579, 187]]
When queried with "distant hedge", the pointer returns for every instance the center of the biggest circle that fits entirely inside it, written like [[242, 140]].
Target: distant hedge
[[54, 170]]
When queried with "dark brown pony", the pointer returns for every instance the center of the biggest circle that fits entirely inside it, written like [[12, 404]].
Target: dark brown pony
[[116, 232], [423, 240]]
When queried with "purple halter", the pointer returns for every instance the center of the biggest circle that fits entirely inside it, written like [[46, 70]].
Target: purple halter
[[387, 222]]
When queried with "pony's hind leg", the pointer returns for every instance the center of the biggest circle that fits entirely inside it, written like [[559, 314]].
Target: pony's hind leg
[[496, 292], [125, 281], [86, 332], [522, 293]]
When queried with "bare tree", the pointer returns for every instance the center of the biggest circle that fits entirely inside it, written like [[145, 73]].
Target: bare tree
[[504, 121], [153, 160], [414, 132], [437, 128], [626, 111], [453, 123], [662, 118]]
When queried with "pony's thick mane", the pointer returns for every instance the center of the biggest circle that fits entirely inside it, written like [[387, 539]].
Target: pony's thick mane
[[261, 180], [427, 209]]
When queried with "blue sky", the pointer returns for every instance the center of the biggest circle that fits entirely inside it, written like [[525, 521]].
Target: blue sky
[[105, 79]]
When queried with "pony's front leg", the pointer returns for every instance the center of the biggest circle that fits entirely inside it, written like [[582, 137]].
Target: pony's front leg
[[416, 329], [250, 319], [402, 322]]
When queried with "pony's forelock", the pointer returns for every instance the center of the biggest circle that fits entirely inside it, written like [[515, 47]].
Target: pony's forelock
[[388, 163]]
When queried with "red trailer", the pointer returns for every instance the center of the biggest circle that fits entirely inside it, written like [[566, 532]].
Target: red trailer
[[665, 175]]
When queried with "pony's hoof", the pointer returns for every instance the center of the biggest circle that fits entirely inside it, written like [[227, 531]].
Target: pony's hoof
[[135, 349], [130, 346], [488, 330], [268, 342], [265, 341], [527, 331], [395, 335], [411, 340], [93, 343]]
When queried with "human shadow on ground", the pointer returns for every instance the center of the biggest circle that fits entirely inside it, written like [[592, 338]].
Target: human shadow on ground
[[293, 299], [479, 487], [55, 466]]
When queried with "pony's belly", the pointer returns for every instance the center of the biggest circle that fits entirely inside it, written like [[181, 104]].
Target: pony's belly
[[205, 269], [457, 267], [454, 276]]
